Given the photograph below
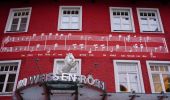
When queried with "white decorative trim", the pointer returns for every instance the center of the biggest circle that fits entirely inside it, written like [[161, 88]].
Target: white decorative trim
[[10, 17], [131, 17], [149, 72], [59, 18], [117, 77], [55, 65], [16, 79], [159, 18]]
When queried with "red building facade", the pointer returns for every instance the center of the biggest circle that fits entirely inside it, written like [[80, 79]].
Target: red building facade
[[123, 43]]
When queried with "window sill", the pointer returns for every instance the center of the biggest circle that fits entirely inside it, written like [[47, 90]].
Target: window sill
[[153, 32], [6, 94], [130, 31], [15, 32], [69, 30]]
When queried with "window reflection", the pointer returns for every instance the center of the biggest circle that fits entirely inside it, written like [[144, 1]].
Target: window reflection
[[166, 79]]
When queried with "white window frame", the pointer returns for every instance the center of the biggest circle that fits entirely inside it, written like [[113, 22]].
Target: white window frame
[[16, 79], [60, 16], [55, 66], [10, 18], [150, 75], [117, 76], [158, 16], [131, 17]]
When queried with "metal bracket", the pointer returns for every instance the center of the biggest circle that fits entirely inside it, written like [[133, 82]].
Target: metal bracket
[[133, 95], [162, 96]]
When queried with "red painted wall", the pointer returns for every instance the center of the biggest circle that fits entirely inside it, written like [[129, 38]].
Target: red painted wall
[[96, 19]]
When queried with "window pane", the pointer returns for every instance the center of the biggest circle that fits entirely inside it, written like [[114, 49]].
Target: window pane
[[15, 21], [65, 19], [11, 78], [65, 26], [116, 27], [133, 78], [2, 78], [72, 12], [77, 12], [75, 19], [122, 13], [125, 21], [122, 78], [145, 27], [75, 69], [114, 13], [19, 13], [9, 87], [144, 21], [15, 68], [59, 66], [152, 68], [15, 14], [27, 13], [126, 27], [126, 13], [157, 68], [2, 68], [123, 87], [116, 20], [74, 25], [11, 68], [131, 67], [64, 12], [134, 87], [22, 27], [145, 14], [153, 21], [68, 12], [118, 13], [158, 87], [154, 28], [127, 67], [23, 20], [161, 68], [166, 79], [156, 78], [1, 87], [6, 68], [166, 68], [153, 14], [23, 13], [14, 28]]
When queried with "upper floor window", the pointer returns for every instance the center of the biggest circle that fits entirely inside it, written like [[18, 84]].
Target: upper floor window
[[150, 20], [60, 67], [18, 20], [128, 76], [121, 19], [9, 71], [70, 18], [159, 75]]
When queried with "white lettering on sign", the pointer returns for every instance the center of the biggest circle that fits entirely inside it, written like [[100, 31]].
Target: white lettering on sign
[[64, 77]]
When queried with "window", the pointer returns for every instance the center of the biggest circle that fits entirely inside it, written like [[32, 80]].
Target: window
[[70, 18], [59, 64], [128, 76], [159, 75], [18, 20], [121, 20], [9, 71], [149, 20]]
